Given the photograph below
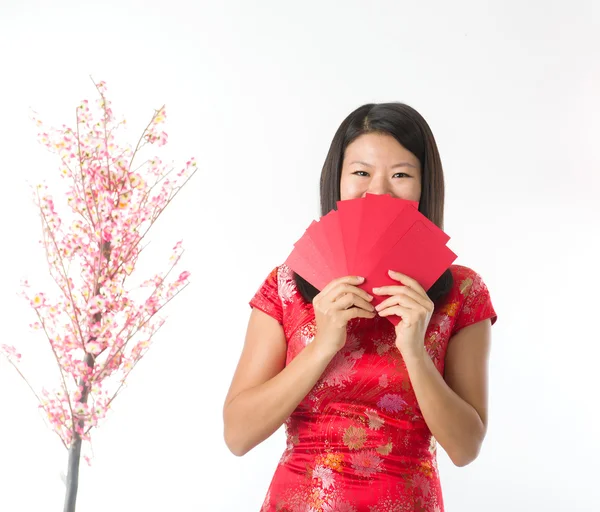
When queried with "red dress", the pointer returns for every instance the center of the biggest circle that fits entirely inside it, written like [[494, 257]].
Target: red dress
[[358, 441]]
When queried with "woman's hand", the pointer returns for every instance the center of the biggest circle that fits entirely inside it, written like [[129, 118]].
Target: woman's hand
[[411, 303], [339, 302]]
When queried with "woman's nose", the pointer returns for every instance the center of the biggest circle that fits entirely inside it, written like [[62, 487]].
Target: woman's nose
[[378, 187]]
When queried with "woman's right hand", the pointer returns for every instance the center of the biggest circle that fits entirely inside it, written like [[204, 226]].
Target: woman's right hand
[[339, 302]]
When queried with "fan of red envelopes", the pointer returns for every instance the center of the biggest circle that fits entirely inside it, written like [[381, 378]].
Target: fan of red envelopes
[[367, 237]]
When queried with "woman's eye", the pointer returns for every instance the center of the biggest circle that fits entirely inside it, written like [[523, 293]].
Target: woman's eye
[[398, 174]]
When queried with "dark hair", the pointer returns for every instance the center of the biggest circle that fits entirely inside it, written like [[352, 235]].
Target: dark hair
[[411, 130]]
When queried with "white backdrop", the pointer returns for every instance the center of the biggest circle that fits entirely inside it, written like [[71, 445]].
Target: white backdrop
[[255, 90]]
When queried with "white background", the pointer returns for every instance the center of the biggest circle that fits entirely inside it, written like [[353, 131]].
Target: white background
[[256, 90]]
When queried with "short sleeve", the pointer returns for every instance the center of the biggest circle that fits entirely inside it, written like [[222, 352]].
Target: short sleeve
[[267, 297], [477, 303]]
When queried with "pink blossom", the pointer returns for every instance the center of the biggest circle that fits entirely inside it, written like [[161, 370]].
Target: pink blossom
[[38, 300], [10, 352]]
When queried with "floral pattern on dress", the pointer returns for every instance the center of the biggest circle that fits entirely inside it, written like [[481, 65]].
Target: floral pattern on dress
[[358, 441]]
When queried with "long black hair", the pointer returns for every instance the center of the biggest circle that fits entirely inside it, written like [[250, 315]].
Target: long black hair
[[411, 130]]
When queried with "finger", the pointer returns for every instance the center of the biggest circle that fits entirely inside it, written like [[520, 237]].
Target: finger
[[342, 289], [395, 289], [408, 298], [351, 313], [349, 300], [388, 290], [408, 281], [398, 300], [424, 301], [400, 311], [353, 280], [359, 302]]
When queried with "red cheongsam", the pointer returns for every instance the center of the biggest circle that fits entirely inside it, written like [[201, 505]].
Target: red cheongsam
[[358, 441]]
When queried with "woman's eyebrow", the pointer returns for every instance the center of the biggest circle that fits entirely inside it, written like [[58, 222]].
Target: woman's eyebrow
[[401, 164]]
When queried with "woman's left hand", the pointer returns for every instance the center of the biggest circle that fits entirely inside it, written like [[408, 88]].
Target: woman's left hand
[[414, 306]]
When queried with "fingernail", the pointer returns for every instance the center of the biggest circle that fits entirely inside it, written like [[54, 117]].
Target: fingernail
[[360, 278]]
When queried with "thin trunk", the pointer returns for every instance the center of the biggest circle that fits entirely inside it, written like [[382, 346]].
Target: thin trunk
[[73, 474], [75, 451], [75, 448]]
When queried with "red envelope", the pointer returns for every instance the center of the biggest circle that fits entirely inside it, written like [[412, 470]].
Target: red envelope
[[367, 237], [307, 257], [418, 254], [396, 229], [304, 268], [378, 214], [333, 232], [320, 232], [349, 216], [387, 202]]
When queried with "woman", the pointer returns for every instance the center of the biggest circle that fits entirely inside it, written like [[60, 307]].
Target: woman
[[365, 403]]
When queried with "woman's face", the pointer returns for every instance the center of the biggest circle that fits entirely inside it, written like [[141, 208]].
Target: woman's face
[[378, 164]]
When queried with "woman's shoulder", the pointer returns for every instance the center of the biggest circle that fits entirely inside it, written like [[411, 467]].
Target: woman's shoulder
[[284, 272], [470, 297], [282, 275], [462, 271], [282, 279], [465, 279]]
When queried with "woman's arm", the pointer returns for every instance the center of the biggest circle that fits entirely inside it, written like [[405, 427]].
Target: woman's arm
[[455, 408], [264, 392]]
